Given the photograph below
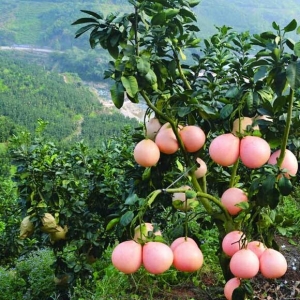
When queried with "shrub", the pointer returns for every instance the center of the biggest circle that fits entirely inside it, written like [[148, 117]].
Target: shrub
[[36, 273], [12, 287]]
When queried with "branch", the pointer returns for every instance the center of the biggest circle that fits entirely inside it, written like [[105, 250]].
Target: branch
[[287, 128]]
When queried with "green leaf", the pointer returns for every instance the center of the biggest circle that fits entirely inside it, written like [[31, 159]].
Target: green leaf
[[297, 49], [131, 199], [269, 183], [226, 111], [291, 26], [130, 84], [239, 294], [293, 75], [151, 78], [185, 12], [285, 186], [260, 73], [117, 94], [243, 205], [275, 26], [97, 16], [171, 13], [85, 20], [82, 30], [112, 223], [279, 103], [183, 111], [232, 92], [126, 218], [193, 3], [143, 65], [290, 43], [248, 98], [281, 230], [146, 174], [276, 54], [182, 55], [159, 19], [113, 51]]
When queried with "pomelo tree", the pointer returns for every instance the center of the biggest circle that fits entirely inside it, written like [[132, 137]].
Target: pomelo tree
[[157, 58], [220, 107]]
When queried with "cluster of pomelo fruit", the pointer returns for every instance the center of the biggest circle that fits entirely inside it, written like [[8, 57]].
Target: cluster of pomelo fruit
[[252, 150], [225, 149], [248, 258], [162, 139], [156, 256]]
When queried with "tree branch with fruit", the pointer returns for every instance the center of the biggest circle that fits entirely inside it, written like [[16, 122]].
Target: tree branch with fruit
[[221, 110]]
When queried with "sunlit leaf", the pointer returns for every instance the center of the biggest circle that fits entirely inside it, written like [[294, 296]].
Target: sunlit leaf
[[159, 19], [130, 84], [143, 65]]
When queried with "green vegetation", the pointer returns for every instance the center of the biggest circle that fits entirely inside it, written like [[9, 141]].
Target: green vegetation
[[29, 93], [71, 190]]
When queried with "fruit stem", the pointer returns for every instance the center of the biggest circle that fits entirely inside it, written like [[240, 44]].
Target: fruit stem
[[152, 196], [287, 128], [202, 182], [233, 173], [183, 77], [188, 162], [204, 200], [217, 202]]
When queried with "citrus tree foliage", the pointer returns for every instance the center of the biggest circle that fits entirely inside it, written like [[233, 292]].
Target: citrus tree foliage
[[82, 189], [157, 58]]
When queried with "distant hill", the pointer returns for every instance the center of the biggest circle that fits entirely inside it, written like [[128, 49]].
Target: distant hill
[[253, 16], [74, 112], [37, 90], [48, 23]]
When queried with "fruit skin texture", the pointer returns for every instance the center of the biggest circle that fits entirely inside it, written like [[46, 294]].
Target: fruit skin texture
[[272, 264], [202, 170], [166, 140], [230, 243], [127, 257], [180, 240], [231, 197], [257, 247], [152, 128], [244, 264], [157, 257], [141, 231], [254, 151], [224, 149], [289, 162], [146, 153], [187, 257], [230, 286], [193, 138]]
